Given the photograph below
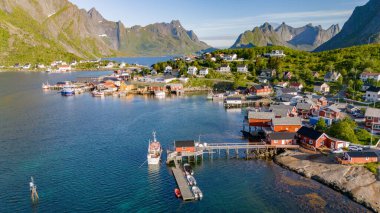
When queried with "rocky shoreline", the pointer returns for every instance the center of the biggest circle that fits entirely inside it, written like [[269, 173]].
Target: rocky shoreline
[[355, 181]]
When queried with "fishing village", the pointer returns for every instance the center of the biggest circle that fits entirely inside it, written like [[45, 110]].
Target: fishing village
[[279, 121]]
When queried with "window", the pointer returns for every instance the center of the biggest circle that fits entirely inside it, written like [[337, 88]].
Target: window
[[367, 158], [183, 148], [369, 118], [275, 141]]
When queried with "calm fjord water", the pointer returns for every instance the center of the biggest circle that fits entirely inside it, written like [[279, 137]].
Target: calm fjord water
[[85, 155]]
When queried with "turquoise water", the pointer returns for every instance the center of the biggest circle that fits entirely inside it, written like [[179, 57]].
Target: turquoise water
[[85, 154]]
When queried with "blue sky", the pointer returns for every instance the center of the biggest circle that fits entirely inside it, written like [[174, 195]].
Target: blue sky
[[219, 22]]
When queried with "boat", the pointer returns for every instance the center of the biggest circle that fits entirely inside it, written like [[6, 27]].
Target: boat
[[96, 93], [188, 170], [191, 180], [217, 97], [177, 193], [197, 192], [154, 151], [45, 86], [159, 94], [33, 190], [67, 90], [210, 95]]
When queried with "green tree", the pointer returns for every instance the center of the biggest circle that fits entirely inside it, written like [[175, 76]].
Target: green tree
[[321, 125], [344, 130]]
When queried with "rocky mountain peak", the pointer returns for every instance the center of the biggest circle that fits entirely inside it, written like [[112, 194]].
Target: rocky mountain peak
[[362, 27]]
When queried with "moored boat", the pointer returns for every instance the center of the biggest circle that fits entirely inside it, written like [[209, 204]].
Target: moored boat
[[191, 180], [45, 86], [197, 192], [177, 193], [98, 93], [67, 90], [154, 151], [188, 169], [159, 94]]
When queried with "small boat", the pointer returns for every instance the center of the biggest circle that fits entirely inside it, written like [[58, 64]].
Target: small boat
[[219, 96], [177, 193], [210, 95], [46, 86], [191, 180], [159, 94], [33, 190], [98, 93], [67, 90], [154, 151], [197, 192], [188, 170]]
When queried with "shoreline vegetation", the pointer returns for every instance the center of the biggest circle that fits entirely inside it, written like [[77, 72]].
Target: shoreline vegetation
[[355, 181]]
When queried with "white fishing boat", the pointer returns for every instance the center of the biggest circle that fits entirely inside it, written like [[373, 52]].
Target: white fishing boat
[[45, 86], [154, 151], [191, 180], [159, 94], [33, 190], [96, 93], [197, 192]]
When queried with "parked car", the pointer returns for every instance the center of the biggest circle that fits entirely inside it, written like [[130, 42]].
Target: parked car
[[337, 151], [355, 148]]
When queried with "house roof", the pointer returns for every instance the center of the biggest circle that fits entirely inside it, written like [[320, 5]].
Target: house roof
[[289, 90], [295, 84], [330, 75], [282, 135], [241, 66], [187, 143], [373, 89], [362, 154], [260, 115], [286, 121], [225, 65], [259, 86], [281, 106], [304, 106], [310, 133], [333, 108], [372, 112], [370, 74], [319, 84]]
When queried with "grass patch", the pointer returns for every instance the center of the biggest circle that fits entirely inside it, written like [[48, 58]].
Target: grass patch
[[372, 167]]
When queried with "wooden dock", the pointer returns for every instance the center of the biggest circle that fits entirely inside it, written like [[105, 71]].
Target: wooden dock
[[187, 195]]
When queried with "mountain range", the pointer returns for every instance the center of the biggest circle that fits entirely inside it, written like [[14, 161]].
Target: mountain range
[[363, 27], [44, 30], [56, 26], [306, 38]]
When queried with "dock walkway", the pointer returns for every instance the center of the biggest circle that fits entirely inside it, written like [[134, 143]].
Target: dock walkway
[[182, 183]]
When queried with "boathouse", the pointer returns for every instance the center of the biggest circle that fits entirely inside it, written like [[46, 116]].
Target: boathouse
[[281, 138], [287, 124], [359, 158], [184, 146]]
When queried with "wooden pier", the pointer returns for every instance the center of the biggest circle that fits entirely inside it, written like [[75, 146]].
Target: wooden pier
[[212, 148], [187, 195], [248, 103]]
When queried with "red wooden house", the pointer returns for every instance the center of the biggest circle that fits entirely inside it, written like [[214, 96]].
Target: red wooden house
[[359, 158], [312, 138], [330, 112], [372, 119], [184, 146], [286, 124], [281, 138], [261, 90], [260, 119]]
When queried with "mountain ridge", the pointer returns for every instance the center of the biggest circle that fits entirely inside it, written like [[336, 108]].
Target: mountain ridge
[[68, 30], [362, 27], [306, 38]]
